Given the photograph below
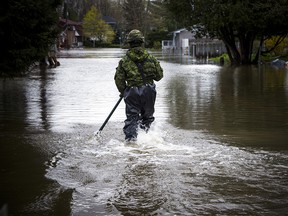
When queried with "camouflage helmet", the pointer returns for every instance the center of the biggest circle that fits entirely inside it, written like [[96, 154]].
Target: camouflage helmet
[[135, 36]]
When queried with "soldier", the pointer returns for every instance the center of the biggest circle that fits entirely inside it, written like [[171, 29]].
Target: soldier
[[134, 79]]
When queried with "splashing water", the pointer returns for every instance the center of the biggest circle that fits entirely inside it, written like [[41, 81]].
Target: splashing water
[[168, 171]]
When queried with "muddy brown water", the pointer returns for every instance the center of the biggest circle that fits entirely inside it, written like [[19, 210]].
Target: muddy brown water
[[218, 145]]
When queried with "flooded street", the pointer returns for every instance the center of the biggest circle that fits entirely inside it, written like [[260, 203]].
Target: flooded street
[[218, 146]]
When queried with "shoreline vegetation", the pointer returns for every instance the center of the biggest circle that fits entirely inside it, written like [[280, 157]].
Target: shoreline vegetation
[[264, 59]]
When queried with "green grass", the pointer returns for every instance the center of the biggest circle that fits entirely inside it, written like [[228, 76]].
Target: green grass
[[217, 59]]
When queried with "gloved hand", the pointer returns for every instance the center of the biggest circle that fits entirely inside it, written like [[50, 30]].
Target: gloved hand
[[121, 95]]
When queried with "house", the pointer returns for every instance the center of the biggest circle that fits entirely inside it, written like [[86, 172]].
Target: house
[[184, 42], [71, 33], [110, 21], [180, 41]]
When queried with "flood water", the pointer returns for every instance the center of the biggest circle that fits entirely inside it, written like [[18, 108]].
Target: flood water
[[218, 146]]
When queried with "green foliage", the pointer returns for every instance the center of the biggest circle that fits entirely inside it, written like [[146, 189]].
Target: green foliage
[[95, 28], [145, 15], [154, 39], [156, 45], [28, 27], [224, 57], [233, 21], [281, 49]]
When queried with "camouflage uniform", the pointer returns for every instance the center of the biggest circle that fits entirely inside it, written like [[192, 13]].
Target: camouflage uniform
[[134, 79]]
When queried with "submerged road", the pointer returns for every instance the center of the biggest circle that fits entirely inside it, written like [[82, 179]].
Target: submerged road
[[218, 145]]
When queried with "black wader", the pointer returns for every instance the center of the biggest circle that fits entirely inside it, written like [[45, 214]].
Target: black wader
[[139, 109]]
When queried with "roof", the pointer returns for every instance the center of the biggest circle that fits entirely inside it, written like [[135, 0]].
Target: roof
[[180, 30], [63, 22], [109, 20]]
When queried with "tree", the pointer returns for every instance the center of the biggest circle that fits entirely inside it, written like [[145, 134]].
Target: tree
[[276, 45], [145, 15], [148, 17], [78, 8], [95, 28], [134, 14], [28, 27], [239, 23]]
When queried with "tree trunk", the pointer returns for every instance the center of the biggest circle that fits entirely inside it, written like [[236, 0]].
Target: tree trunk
[[256, 60], [230, 44], [246, 46], [238, 55]]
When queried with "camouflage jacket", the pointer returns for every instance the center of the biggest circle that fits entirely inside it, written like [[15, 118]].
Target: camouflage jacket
[[128, 73]]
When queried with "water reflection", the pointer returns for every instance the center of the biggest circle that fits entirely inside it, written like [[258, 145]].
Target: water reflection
[[92, 53], [43, 98], [192, 90], [218, 145], [13, 105], [255, 101], [244, 101]]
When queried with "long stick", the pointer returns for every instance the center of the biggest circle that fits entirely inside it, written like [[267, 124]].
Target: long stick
[[107, 119]]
